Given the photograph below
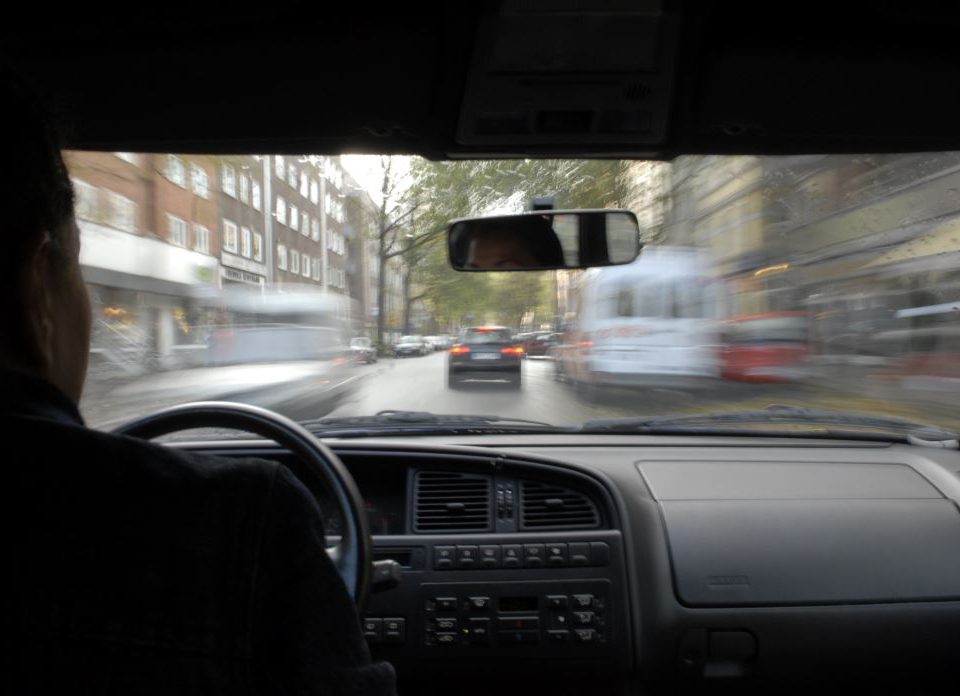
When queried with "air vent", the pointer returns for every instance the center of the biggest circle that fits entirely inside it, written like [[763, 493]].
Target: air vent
[[447, 502], [550, 507]]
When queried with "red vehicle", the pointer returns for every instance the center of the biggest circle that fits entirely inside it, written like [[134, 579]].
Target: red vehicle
[[772, 347]]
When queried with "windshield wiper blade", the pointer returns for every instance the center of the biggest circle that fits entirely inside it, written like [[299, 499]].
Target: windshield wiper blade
[[401, 419], [778, 414]]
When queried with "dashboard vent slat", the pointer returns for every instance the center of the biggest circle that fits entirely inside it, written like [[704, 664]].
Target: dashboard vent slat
[[544, 506], [450, 502]]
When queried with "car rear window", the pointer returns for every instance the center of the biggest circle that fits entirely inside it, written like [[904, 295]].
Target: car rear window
[[486, 336]]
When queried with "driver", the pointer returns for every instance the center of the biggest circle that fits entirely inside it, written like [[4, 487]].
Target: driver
[[526, 242], [137, 569]]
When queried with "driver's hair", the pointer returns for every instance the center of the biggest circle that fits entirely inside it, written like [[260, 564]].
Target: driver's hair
[[36, 199], [534, 231]]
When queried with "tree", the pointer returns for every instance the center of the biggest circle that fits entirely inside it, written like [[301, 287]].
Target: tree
[[396, 236], [449, 190]]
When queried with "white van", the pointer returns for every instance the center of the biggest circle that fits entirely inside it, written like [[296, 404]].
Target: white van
[[648, 323]]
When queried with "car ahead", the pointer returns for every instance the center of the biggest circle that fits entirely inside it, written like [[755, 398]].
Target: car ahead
[[363, 350], [538, 344], [434, 343], [485, 353], [410, 345]]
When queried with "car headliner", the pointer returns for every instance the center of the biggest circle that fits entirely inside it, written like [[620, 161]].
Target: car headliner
[[460, 80]]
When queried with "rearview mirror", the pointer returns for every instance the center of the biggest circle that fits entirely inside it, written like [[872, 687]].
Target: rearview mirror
[[544, 240]]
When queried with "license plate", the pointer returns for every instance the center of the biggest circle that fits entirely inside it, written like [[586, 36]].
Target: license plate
[[486, 356]]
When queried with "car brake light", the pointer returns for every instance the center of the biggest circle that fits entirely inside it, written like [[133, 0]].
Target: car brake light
[[459, 350], [515, 350], [585, 344]]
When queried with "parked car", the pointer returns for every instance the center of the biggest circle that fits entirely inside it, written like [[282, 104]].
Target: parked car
[[485, 352], [538, 343], [363, 350], [410, 345]]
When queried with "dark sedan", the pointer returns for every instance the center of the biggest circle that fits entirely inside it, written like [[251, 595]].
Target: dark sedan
[[485, 353], [538, 344]]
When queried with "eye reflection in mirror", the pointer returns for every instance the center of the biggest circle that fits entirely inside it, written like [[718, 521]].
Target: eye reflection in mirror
[[544, 241]]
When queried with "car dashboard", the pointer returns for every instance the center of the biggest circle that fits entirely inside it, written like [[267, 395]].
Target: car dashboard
[[657, 565]]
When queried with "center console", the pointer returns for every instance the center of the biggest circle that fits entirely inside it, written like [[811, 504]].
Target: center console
[[508, 598]]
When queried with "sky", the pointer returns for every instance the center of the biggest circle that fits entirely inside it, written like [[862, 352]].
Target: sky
[[368, 171]]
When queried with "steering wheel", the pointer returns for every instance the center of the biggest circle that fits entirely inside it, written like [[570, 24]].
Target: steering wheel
[[352, 557]]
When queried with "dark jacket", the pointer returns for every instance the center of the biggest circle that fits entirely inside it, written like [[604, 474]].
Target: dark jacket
[[140, 570]]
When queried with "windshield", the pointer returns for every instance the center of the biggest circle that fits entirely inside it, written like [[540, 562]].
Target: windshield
[[828, 282]]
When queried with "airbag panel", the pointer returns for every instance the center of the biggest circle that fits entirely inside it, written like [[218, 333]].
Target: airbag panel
[[796, 552]]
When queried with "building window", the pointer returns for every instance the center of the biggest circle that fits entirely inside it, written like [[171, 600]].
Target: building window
[[202, 239], [176, 230], [258, 247], [245, 242], [230, 241], [257, 202], [295, 261], [176, 171], [128, 157], [294, 217], [304, 184], [316, 269], [305, 266], [199, 181], [304, 224], [229, 181], [123, 212], [281, 212], [315, 230], [244, 188], [281, 257], [86, 200], [292, 176], [279, 167], [314, 192]]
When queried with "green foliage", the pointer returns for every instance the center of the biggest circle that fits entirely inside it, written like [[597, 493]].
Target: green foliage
[[449, 190]]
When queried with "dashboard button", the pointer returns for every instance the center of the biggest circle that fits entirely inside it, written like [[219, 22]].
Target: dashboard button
[[584, 618], [441, 639], [394, 630], [444, 603], [373, 629], [599, 553], [534, 556], [490, 556], [579, 554], [444, 624], [558, 636], [443, 557], [511, 556], [557, 601], [478, 603], [467, 557], [478, 630], [557, 555], [583, 601], [586, 635]]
